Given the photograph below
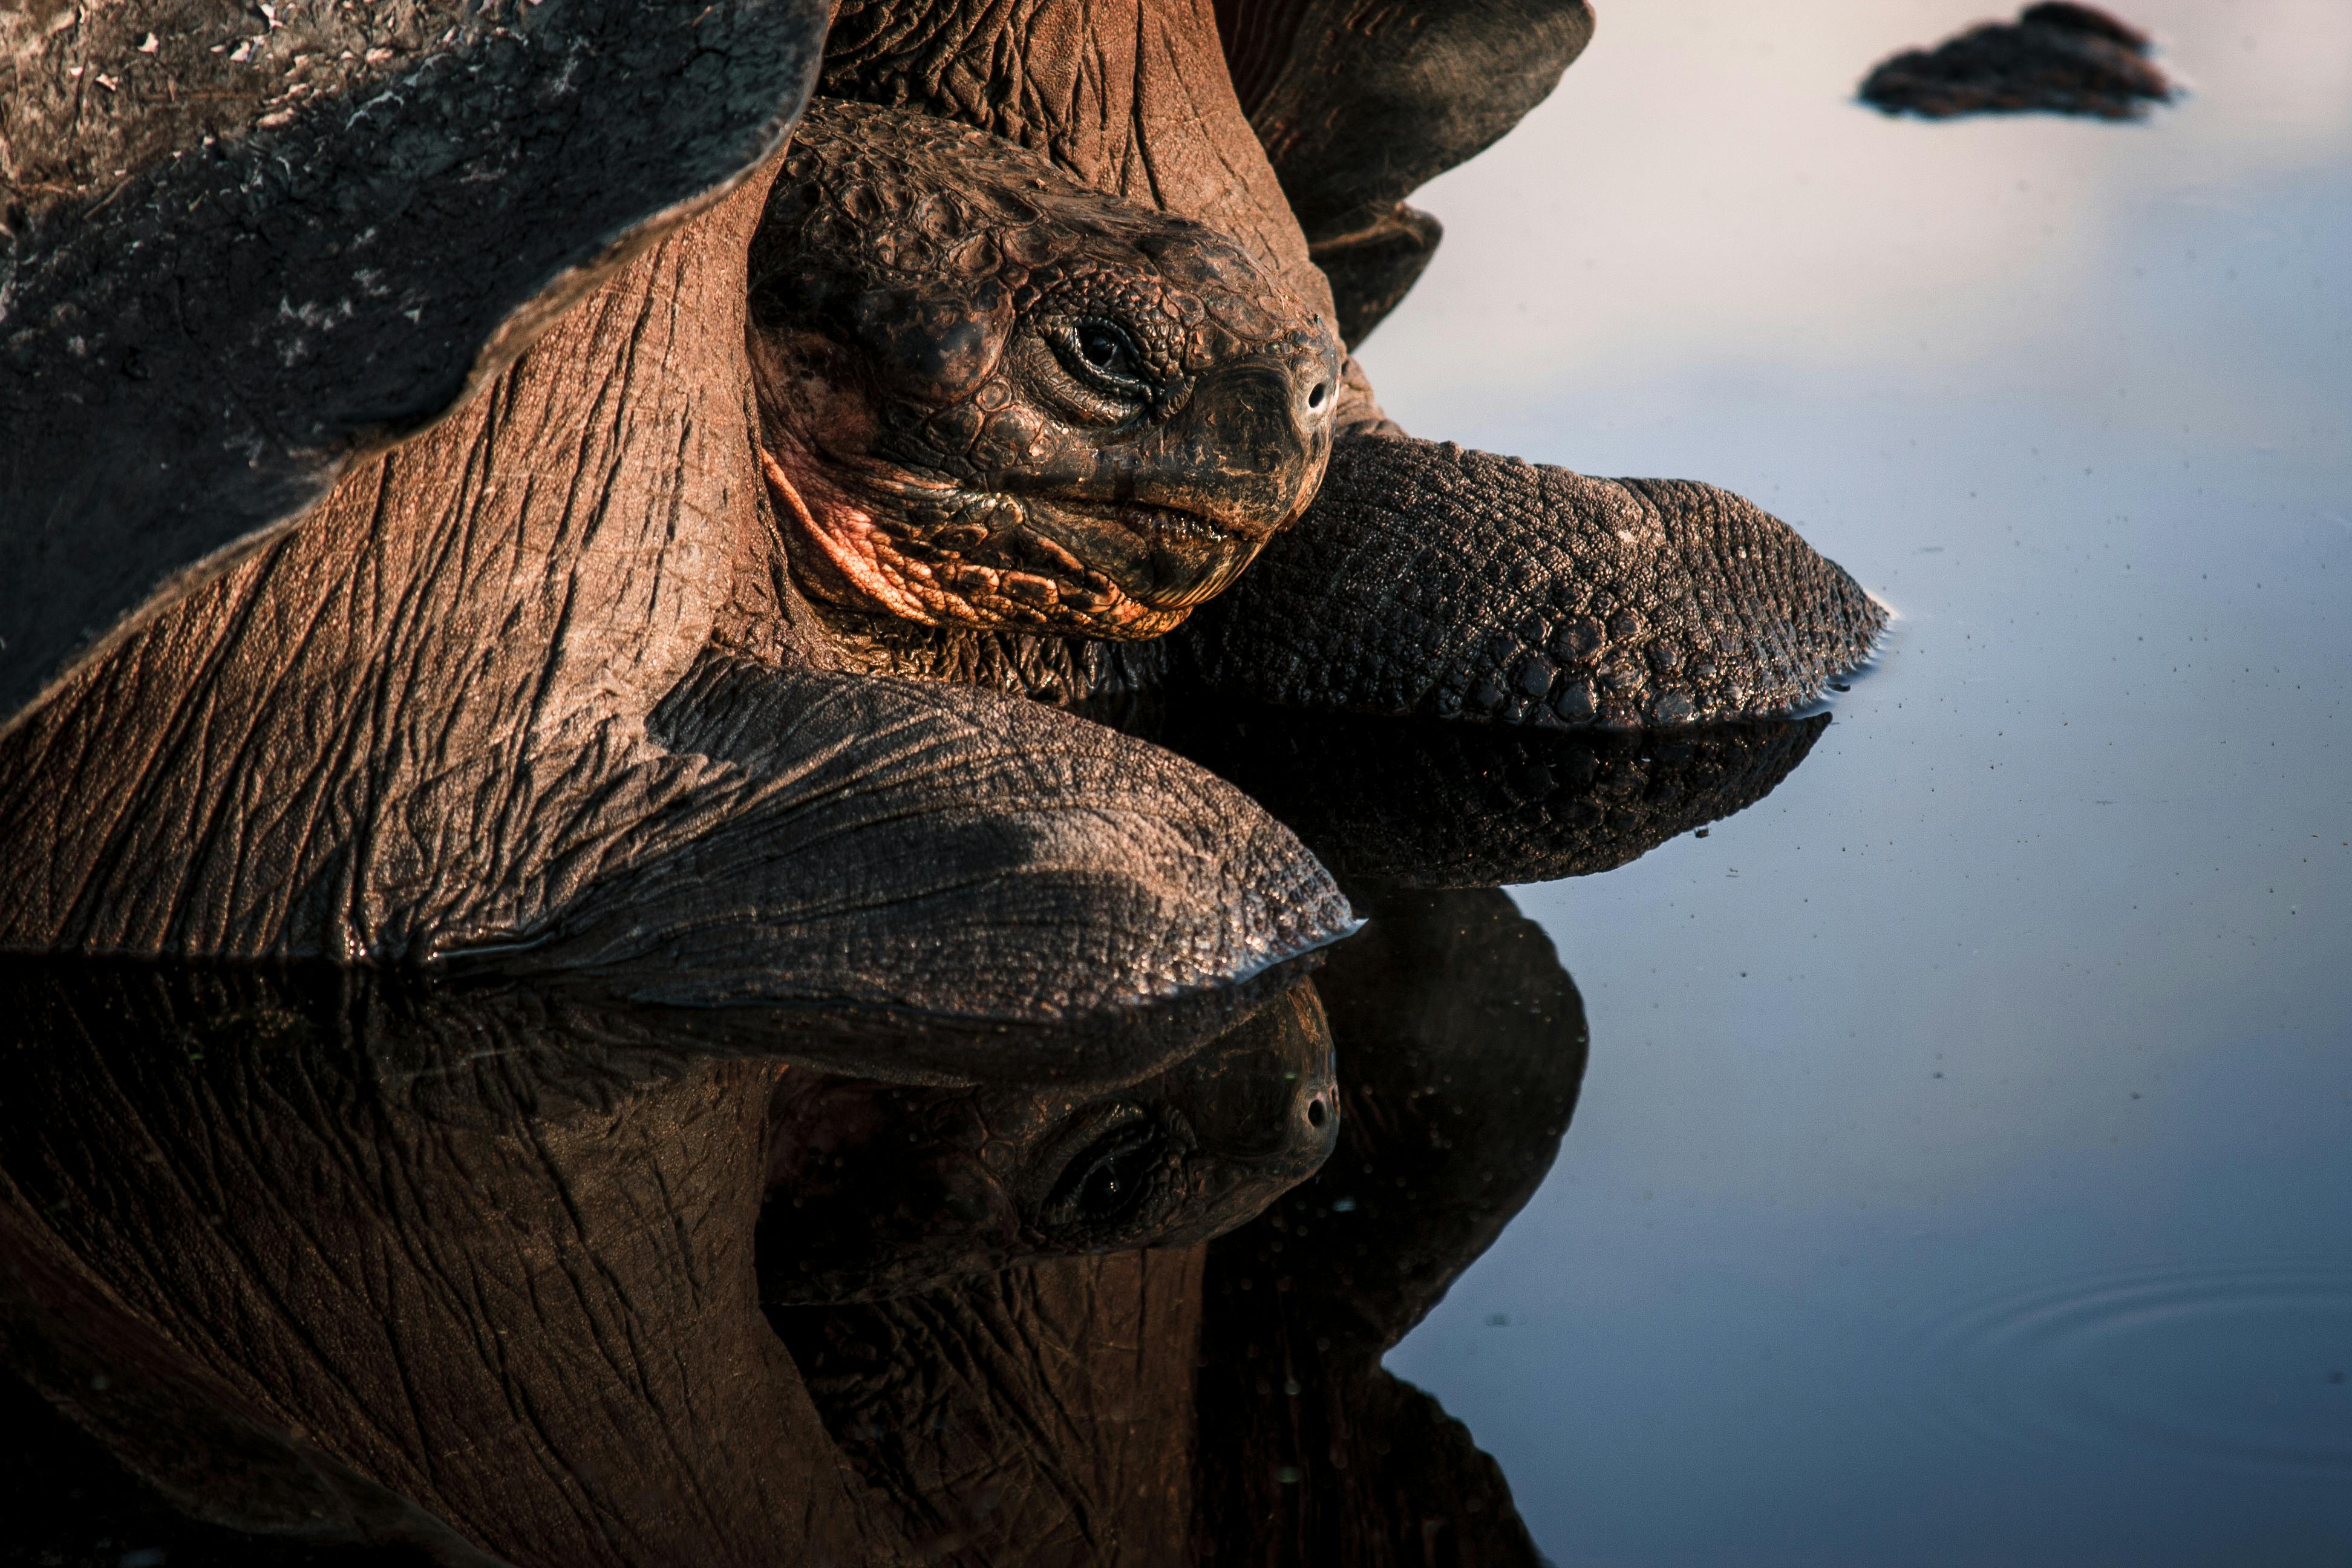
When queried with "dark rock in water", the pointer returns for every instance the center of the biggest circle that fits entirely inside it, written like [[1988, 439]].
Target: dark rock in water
[[2067, 59]]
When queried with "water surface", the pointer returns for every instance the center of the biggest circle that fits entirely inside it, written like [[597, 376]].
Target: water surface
[[1964, 1173]]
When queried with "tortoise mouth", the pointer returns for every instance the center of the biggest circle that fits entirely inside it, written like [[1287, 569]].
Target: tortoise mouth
[[1163, 558], [945, 554]]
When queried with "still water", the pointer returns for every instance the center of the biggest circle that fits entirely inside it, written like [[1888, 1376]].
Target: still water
[[1963, 1170]]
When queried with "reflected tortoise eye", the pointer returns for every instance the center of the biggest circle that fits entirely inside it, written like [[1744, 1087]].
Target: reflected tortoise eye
[[1108, 1181], [1112, 1187]]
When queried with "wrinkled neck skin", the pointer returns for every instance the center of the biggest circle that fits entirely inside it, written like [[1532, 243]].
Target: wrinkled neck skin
[[1116, 683], [285, 754], [424, 717], [1148, 114]]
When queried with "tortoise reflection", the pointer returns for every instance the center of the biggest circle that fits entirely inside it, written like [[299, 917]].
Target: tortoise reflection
[[1226, 1404], [878, 1189]]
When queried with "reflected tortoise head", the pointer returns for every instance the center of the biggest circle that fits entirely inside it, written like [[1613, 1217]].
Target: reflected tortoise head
[[878, 1190]]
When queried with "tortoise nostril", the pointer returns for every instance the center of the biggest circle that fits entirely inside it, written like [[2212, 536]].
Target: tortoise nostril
[[1322, 390], [1315, 1113]]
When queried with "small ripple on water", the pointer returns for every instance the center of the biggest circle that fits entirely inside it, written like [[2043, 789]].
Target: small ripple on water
[[2246, 1368]]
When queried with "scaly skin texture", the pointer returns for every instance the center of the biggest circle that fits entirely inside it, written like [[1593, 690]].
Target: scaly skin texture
[[542, 684], [1131, 98], [542, 689], [992, 397], [1329, 85], [1429, 580]]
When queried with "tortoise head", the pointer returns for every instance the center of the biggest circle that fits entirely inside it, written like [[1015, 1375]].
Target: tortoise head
[[991, 396]]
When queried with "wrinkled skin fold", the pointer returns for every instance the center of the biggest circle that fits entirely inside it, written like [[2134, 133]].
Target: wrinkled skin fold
[[523, 1194]]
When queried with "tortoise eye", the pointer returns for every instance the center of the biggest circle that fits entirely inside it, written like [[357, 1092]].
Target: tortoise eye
[[1107, 350]]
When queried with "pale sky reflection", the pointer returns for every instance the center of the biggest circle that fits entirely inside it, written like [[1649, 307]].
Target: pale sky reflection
[[1703, 190]]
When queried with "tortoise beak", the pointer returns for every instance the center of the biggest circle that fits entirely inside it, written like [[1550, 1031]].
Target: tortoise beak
[[1250, 448], [1239, 459]]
